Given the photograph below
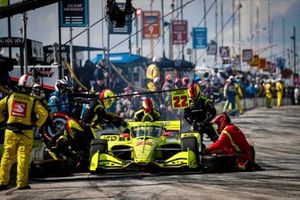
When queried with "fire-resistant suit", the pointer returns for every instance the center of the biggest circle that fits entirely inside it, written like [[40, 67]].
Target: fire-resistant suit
[[229, 94], [23, 112], [238, 96], [231, 141], [152, 72], [268, 93], [199, 114], [279, 93]]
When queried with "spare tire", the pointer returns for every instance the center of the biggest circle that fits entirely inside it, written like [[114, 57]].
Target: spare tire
[[219, 163]]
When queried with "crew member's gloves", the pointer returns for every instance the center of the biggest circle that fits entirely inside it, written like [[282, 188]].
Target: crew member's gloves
[[198, 126]]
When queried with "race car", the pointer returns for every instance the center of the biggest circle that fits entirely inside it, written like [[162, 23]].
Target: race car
[[149, 145]]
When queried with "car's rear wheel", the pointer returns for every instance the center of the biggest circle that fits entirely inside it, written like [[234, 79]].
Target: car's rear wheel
[[190, 143]]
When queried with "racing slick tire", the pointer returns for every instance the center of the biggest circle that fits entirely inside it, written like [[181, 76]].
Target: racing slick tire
[[219, 163], [98, 144], [49, 168], [191, 144]]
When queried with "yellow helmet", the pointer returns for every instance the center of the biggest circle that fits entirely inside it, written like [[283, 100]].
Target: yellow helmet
[[194, 91], [107, 97]]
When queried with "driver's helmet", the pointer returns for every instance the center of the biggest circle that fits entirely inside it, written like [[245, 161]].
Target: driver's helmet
[[60, 85], [221, 120], [194, 92], [147, 105], [26, 80], [107, 97]]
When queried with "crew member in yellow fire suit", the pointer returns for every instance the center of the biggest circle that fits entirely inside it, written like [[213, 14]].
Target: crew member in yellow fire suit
[[279, 92], [239, 95], [153, 75], [23, 112], [268, 93]]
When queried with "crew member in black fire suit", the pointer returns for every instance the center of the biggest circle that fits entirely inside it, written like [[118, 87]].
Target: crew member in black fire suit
[[200, 112]]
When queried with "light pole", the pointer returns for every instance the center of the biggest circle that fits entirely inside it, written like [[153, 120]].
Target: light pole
[[25, 57], [163, 28], [294, 49]]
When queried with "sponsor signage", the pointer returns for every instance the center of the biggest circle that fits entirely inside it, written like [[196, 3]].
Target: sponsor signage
[[212, 48], [49, 73], [179, 31], [151, 24], [74, 13], [247, 55], [255, 60], [224, 52], [112, 29], [280, 63], [11, 42], [199, 38], [262, 63]]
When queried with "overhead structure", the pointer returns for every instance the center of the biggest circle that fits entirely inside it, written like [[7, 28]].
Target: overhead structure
[[24, 6]]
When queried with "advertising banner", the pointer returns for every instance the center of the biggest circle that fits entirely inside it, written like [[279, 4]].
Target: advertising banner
[[179, 31], [247, 55], [112, 29], [199, 38], [212, 48], [255, 60], [151, 24], [224, 52], [74, 13], [262, 63]]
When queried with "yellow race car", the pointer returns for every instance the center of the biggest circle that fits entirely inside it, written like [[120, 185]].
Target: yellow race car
[[148, 146]]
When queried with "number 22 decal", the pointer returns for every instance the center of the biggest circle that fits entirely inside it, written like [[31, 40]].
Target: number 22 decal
[[180, 101]]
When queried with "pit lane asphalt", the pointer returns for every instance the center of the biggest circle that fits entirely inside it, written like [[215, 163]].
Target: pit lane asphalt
[[275, 134]]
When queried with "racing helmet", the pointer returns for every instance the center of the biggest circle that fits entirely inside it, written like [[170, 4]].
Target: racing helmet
[[221, 120], [168, 77], [60, 85], [185, 80], [36, 89], [107, 97], [156, 59], [147, 105], [26, 80], [194, 91], [68, 82]]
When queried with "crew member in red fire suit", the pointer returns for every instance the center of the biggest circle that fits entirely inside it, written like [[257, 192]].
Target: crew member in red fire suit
[[232, 141]]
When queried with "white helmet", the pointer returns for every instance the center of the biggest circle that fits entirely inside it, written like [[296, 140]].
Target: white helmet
[[26, 80], [156, 59], [36, 89], [60, 84]]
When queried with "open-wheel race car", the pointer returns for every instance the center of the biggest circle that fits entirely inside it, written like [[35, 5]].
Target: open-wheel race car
[[149, 146]]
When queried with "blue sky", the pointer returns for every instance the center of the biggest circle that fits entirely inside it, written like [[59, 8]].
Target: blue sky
[[43, 25]]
